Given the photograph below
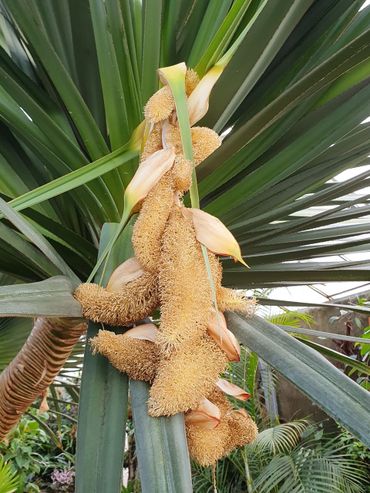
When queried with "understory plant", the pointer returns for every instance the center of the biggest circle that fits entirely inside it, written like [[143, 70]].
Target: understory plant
[[145, 146], [295, 456], [8, 478], [41, 451]]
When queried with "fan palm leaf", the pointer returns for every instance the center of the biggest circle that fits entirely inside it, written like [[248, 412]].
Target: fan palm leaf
[[8, 480]]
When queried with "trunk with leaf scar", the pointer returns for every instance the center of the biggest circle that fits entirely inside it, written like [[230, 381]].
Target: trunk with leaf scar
[[36, 365]]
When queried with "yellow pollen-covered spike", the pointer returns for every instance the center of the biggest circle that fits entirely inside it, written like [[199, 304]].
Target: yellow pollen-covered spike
[[184, 378], [135, 301], [205, 142], [153, 142], [150, 225], [191, 81], [160, 105], [182, 173], [235, 301], [206, 447], [138, 358], [220, 400], [185, 292], [236, 429], [242, 430]]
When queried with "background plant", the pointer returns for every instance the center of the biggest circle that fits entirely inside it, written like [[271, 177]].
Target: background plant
[[8, 479], [39, 448]]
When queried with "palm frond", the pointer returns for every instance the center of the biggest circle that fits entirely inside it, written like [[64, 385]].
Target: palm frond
[[280, 438], [292, 318], [8, 480], [309, 465]]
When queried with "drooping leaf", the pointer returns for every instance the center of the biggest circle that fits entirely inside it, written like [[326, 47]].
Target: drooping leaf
[[332, 390], [49, 298]]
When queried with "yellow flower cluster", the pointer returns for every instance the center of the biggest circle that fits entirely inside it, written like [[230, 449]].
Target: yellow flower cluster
[[234, 429], [184, 357]]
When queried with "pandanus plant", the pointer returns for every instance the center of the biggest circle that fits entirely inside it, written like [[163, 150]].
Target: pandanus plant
[[177, 137]]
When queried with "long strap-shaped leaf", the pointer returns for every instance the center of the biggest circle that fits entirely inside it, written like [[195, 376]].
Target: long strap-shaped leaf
[[354, 308], [49, 298], [37, 239], [333, 391], [103, 403], [74, 179], [266, 278], [325, 335], [29, 20], [161, 447]]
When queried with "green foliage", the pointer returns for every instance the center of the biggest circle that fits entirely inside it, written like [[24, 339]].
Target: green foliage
[[294, 456], [132, 487], [8, 478], [355, 447], [291, 318], [34, 455], [309, 464], [104, 395]]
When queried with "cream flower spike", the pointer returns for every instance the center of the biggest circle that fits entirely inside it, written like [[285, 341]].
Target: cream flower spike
[[225, 339], [232, 389], [198, 102], [148, 174], [160, 106], [145, 332], [214, 235], [207, 415], [126, 272]]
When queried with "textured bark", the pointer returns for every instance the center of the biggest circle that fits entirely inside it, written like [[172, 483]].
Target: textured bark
[[36, 365]]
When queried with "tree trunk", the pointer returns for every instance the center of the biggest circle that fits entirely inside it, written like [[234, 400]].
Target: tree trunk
[[36, 365]]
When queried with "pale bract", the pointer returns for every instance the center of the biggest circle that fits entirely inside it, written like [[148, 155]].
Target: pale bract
[[198, 102], [225, 339], [207, 415], [232, 389], [145, 332], [214, 235], [172, 72], [126, 272], [148, 174]]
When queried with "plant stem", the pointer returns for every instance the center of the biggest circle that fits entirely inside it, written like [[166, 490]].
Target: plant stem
[[176, 81], [214, 478], [247, 473]]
